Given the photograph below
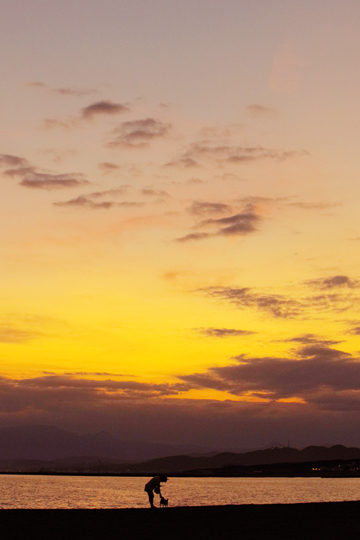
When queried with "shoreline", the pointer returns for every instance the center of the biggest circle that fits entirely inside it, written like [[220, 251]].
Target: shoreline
[[330, 520], [330, 474]]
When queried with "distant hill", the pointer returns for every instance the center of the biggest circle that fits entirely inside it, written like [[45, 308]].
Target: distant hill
[[52, 443], [103, 467], [183, 463]]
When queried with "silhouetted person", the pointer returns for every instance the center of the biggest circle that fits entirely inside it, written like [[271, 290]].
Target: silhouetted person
[[154, 485]]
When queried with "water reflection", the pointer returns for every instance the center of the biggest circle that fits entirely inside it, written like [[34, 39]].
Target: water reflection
[[99, 492]]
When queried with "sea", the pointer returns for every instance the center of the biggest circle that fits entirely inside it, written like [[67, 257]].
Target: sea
[[75, 492]]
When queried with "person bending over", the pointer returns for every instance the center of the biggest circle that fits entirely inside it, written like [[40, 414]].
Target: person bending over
[[154, 485]]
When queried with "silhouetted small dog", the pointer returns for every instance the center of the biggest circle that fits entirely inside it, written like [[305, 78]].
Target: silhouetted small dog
[[163, 502]]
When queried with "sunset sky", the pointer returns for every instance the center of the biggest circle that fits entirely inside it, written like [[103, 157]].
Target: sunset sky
[[180, 219]]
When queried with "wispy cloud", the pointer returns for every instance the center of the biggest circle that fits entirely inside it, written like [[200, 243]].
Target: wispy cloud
[[225, 153], [151, 192], [49, 182], [115, 192], [195, 181], [201, 208], [10, 334], [32, 178], [53, 123], [108, 167], [239, 224], [242, 155], [87, 374], [289, 307], [84, 201], [259, 111], [58, 156], [182, 162], [20, 172], [246, 298], [227, 177], [96, 109], [313, 205], [355, 328], [103, 108], [333, 282], [258, 201], [306, 339], [7, 160], [64, 91], [193, 236], [94, 200], [222, 332], [139, 133], [219, 132], [285, 202]]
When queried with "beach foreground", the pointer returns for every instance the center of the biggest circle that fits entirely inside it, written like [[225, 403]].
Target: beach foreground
[[293, 521]]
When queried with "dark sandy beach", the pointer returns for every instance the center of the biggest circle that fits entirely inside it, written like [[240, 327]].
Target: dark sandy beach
[[293, 521]]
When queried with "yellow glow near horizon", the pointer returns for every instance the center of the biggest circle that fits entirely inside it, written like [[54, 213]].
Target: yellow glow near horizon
[[174, 206]]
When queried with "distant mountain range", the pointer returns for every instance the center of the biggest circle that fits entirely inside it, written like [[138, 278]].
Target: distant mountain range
[[268, 456], [52, 443], [45, 448]]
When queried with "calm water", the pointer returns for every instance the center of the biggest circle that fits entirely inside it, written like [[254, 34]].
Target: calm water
[[96, 492]]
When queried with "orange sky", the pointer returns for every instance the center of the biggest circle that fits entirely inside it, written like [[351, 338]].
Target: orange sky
[[180, 219]]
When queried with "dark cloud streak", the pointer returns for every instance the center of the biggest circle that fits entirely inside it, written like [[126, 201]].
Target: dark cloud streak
[[313, 205], [290, 307], [200, 208], [224, 153], [53, 181], [334, 282], [78, 92], [222, 332], [193, 236], [103, 108], [7, 160], [87, 202], [239, 224], [138, 133], [277, 305], [315, 369], [32, 178], [306, 339]]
